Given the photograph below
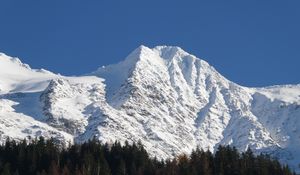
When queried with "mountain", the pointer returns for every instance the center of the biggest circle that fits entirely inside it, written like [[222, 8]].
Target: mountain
[[170, 100]]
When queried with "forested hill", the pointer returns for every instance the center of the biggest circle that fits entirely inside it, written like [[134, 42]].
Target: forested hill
[[44, 157]]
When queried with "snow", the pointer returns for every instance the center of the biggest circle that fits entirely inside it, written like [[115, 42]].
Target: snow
[[169, 99], [18, 77], [287, 93], [19, 126]]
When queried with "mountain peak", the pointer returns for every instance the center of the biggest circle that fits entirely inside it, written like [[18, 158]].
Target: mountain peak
[[169, 99], [139, 53], [7, 61], [14, 64], [168, 52], [15, 75], [164, 51]]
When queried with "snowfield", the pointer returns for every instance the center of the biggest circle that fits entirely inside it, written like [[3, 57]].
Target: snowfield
[[169, 99]]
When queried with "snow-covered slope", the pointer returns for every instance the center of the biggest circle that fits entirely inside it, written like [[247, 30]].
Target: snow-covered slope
[[164, 96]]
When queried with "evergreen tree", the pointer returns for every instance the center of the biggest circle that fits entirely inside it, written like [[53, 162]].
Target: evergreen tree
[[44, 157], [54, 169], [183, 165], [121, 168], [6, 169]]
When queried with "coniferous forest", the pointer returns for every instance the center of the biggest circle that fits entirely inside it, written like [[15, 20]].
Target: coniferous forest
[[44, 157]]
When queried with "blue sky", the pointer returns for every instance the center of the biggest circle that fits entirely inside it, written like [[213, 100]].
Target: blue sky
[[253, 43]]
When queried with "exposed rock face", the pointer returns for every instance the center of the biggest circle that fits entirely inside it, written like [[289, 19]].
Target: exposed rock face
[[165, 97]]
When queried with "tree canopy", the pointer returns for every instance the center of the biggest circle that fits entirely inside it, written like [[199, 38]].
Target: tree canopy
[[45, 157]]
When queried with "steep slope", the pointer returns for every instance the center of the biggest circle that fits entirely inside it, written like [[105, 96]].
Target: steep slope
[[18, 77], [179, 101], [169, 99], [37, 103]]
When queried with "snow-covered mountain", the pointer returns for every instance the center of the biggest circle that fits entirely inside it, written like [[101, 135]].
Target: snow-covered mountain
[[169, 99]]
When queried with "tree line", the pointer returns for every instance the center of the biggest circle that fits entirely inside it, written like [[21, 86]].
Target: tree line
[[45, 157]]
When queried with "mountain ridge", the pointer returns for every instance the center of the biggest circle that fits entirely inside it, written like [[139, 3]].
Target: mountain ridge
[[169, 99]]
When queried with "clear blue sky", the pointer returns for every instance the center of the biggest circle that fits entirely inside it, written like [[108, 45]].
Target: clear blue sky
[[253, 43]]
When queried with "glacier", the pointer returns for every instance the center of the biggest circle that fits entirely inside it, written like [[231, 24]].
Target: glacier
[[166, 98]]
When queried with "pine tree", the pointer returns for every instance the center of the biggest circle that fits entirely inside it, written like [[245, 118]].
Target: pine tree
[[6, 169], [183, 165], [92, 158], [54, 169], [121, 168], [65, 171]]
